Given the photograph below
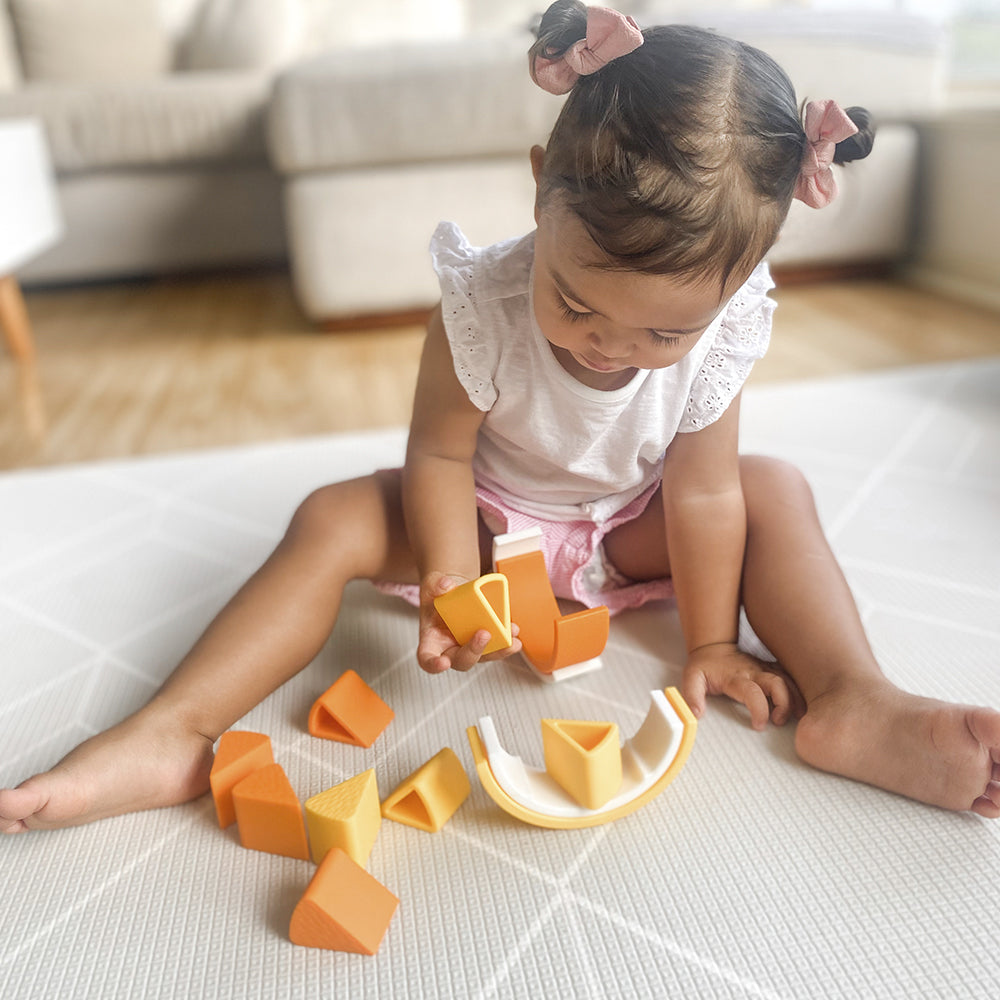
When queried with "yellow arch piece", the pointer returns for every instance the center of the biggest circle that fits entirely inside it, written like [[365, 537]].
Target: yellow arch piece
[[651, 760]]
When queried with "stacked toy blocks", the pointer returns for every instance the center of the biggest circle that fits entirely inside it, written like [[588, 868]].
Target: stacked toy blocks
[[344, 908]]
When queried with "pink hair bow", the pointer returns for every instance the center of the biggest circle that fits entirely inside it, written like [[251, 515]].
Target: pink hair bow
[[610, 35], [825, 125]]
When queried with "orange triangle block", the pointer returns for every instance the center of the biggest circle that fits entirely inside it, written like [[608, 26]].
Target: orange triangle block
[[344, 908], [239, 754], [349, 711], [269, 815]]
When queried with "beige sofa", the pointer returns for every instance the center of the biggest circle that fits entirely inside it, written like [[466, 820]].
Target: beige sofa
[[154, 112], [206, 132], [375, 149]]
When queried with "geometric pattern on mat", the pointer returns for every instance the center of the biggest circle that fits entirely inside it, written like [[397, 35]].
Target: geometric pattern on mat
[[751, 876]]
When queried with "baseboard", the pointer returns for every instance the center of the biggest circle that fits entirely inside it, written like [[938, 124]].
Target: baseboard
[[810, 274], [376, 321]]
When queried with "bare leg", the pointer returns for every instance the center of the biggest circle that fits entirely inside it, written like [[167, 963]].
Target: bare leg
[[271, 629], [857, 723]]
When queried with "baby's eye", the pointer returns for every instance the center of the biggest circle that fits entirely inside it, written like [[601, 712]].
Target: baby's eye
[[661, 340], [573, 315]]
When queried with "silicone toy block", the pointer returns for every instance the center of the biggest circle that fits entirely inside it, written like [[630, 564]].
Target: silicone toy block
[[349, 711], [344, 908], [584, 758], [428, 798], [651, 759], [268, 814], [550, 640], [239, 754], [347, 816], [482, 603]]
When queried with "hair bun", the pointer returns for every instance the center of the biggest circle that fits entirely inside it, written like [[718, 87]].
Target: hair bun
[[562, 26], [859, 145]]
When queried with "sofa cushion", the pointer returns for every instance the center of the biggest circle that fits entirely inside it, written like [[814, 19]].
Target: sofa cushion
[[408, 104], [10, 66], [95, 40], [183, 118], [244, 34]]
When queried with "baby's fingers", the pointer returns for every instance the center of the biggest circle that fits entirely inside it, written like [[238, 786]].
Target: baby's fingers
[[748, 692]]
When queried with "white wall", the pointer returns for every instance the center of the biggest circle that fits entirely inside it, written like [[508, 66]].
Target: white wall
[[958, 222]]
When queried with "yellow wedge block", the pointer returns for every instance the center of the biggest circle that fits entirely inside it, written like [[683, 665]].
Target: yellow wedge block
[[428, 798], [482, 603], [345, 816], [585, 758]]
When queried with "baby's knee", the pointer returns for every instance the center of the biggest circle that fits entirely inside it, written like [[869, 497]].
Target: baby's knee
[[770, 480]]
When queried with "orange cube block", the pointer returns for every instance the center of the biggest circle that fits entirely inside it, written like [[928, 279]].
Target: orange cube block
[[349, 711], [344, 908], [239, 755], [268, 814]]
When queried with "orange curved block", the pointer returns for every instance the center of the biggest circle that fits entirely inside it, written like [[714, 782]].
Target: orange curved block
[[268, 814], [344, 908], [481, 603], [549, 639], [349, 711], [239, 754]]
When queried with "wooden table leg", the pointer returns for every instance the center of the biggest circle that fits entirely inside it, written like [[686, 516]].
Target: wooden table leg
[[14, 321]]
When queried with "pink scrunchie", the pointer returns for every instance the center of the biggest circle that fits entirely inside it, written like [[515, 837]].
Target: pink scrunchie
[[610, 35], [826, 124]]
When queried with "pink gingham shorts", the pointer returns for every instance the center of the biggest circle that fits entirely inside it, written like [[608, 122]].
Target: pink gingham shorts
[[574, 556]]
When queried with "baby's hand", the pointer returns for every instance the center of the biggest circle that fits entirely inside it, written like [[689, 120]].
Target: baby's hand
[[437, 650], [723, 668]]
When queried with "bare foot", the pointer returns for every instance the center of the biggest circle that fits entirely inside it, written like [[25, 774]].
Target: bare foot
[[141, 763], [943, 754]]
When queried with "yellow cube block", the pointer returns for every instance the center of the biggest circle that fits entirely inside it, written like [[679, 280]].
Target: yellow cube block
[[345, 816], [585, 758]]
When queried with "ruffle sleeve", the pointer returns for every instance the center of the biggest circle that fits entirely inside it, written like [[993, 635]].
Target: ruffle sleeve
[[741, 339], [474, 355]]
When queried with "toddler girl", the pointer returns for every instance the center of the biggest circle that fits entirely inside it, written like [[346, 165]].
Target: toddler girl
[[587, 378]]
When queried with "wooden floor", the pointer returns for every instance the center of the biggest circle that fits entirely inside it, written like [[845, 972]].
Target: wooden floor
[[173, 364]]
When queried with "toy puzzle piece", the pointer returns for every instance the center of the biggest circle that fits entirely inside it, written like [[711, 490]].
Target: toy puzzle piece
[[550, 641], [343, 909], [347, 816], [479, 604], [268, 814], [239, 754], [349, 711], [584, 758], [651, 759], [429, 797]]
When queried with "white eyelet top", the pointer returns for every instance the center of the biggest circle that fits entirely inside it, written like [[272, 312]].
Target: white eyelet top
[[549, 445]]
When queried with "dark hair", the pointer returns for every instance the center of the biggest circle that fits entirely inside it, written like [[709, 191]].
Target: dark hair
[[681, 157]]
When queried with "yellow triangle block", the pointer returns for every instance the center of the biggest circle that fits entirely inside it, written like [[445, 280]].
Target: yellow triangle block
[[585, 758], [344, 908], [482, 603], [349, 711], [429, 797], [238, 755], [345, 816]]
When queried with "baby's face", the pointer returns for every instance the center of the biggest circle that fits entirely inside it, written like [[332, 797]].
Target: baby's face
[[605, 324]]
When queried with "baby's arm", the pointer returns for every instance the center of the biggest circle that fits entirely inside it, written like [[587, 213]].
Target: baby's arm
[[439, 499], [706, 538]]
